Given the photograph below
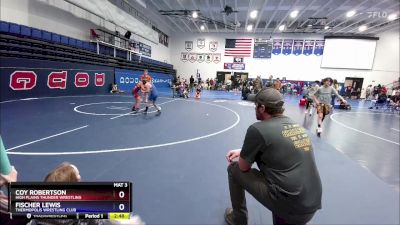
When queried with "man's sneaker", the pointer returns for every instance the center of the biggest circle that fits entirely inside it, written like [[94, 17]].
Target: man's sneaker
[[229, 216]]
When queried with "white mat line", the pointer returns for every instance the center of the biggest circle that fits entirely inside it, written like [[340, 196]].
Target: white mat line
[[45, 138], [115, 117]]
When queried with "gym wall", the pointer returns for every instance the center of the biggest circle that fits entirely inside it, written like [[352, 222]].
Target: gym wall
[[26, 78], [385, 68]]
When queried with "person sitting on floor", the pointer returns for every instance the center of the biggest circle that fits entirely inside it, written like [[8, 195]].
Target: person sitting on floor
[[114, 89], [344, 105], [381, 99], [395, 100]]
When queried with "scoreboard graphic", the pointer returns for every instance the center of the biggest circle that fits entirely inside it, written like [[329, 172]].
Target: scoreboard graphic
[[81, 200], [262, 48]]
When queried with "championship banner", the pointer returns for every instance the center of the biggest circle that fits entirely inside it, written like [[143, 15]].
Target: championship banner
[[234, 66], [188, 45], [298, 47], [217, 57], [287, 46], [145, 49], [192, 57], [319, 47], [184, 56], [200, 57], [209, 57], [213, 46], [127, 79], [201, 43], [308, 47], [277, 46]]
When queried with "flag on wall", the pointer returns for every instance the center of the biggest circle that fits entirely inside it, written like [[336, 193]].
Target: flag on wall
[[287, 46], [238, 47], [319, 47], [276, 46], [298, 47], [308, 47]]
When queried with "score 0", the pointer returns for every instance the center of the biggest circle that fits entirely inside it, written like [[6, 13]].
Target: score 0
[[122, 193]]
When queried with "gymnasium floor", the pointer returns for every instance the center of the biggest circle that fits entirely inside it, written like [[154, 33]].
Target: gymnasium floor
[[176, 159]]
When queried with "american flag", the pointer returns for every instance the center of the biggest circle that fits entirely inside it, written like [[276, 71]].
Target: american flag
[[238, 47]]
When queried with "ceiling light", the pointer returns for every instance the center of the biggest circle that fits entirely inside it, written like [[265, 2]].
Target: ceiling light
[[326, 27], [253, 14], [250, 27], [281, 27], [392, 16], [362, 28], [350, 13], [194, 14], [293, 14], [309, 25], [202, 27]]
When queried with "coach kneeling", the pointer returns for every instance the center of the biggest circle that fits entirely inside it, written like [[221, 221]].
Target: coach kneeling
[[287, 182]]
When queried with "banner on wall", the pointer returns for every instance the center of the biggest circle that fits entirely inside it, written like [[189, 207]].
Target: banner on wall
[[145, 49], [188, 45], [209, 57], [201, 43], [319, 47], [192, 57], [200, 57], [213, 45], [217, 57], [27, 78], [298, 47], [287, 46], [127, 79], [308, 47], [234, 66], [184, 56], [277, 46]]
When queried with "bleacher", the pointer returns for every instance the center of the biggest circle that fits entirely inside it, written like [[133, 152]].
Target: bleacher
[[27, 42]]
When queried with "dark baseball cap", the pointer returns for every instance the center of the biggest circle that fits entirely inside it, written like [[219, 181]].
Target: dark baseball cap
[[269, 97]]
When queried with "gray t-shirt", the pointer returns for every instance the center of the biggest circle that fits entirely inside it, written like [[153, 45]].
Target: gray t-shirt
[[324, 94], [284, 154]]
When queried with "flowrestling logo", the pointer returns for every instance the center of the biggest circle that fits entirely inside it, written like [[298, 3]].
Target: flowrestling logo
[[27, 80]]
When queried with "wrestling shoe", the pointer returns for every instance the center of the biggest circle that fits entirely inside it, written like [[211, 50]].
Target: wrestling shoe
[[229, 216], [319, 131]]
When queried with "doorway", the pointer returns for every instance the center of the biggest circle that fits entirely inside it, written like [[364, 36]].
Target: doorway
[[353, 87]]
